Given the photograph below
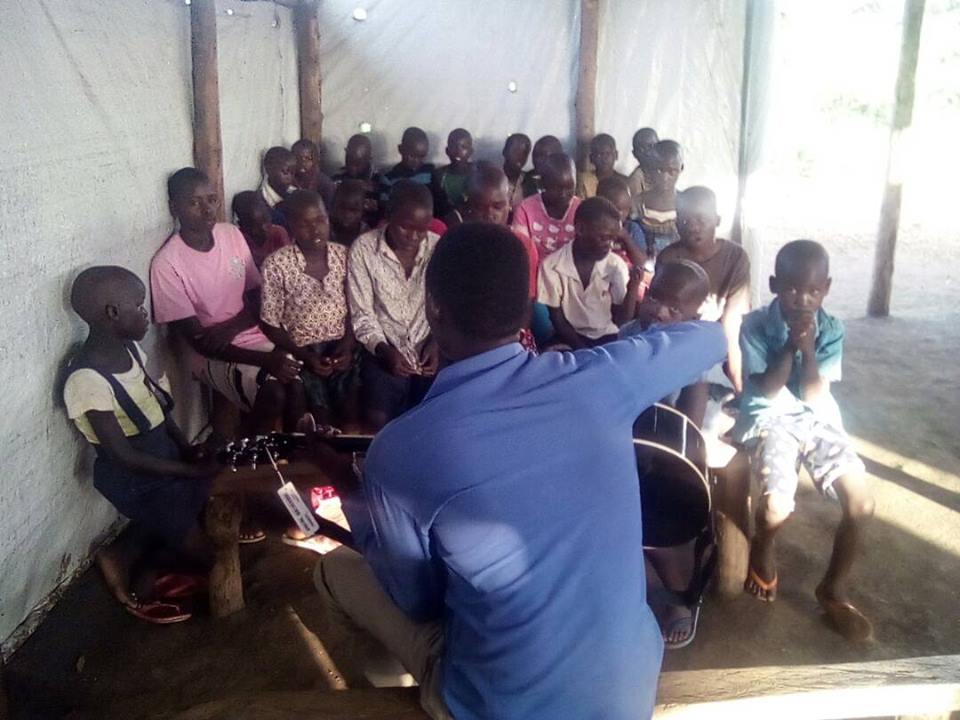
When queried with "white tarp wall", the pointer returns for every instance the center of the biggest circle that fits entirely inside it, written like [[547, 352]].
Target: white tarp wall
[[96, 113], [672, 64]]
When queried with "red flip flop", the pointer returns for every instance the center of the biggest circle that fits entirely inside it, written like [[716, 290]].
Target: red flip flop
[[179, 585], [158, 613]]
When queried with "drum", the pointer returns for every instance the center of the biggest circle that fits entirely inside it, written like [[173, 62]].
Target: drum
[[674, 479]]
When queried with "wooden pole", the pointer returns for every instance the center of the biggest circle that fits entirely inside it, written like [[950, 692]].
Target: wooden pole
[[586, 100], [308, 64], [223, 529], [881, 288], [207, 144]]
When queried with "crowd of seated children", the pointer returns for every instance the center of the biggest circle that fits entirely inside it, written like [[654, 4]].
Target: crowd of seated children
[[358, 166], [252, 216], [657, 209], [788, 417], [603, 156], [144, 467], [642, 144], [386, 293], [516, 150], [542, 149], [449, 183]]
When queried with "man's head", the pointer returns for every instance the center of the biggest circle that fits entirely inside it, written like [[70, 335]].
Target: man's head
[[252, 214], [542, 149], [666, 164], [558, 179], [516, 150], [679, 289], [307, 219], [413, 148], [616, 190], [358, 157], [488, 194], [597, 226], [409, 212], [603, 153], [307, 155], [110, 298], [193, 201], [459, 146], [801, 278], [280, 166], [346, 209], [697, 217], [643, 141], [477, 286]]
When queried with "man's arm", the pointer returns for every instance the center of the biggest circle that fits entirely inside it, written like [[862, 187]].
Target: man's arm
[[275, 361]]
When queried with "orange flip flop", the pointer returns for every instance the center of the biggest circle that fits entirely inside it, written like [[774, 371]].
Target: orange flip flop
[[755, 585], [158, 613]]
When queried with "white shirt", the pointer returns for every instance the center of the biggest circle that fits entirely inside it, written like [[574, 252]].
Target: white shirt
[[588, 310], [386, 305]]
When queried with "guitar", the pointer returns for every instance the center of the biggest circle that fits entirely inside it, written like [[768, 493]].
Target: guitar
[[258, 450]]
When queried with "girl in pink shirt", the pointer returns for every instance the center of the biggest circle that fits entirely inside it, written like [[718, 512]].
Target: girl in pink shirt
[[547, 218]]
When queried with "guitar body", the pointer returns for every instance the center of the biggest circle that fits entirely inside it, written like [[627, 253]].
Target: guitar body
[[674, 479]]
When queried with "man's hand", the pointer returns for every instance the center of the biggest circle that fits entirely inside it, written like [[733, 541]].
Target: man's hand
[[430, 358], [802, 335], [282, 366], [394, 361]]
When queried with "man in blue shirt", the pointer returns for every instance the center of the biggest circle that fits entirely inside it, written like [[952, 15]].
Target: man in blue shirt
[[501, 517]]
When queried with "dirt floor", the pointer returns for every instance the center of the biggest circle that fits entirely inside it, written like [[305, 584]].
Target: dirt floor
[[901, 400]]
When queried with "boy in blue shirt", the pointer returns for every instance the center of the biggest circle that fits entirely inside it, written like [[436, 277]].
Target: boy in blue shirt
[[791, 354]]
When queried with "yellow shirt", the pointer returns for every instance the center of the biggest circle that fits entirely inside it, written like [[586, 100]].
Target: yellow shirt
[[87, 390]]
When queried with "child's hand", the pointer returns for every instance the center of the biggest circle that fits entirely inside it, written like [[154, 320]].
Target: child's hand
[[430, 358], [342, 356], [320, 366], [802, 333], [394, 361], [282, 366]]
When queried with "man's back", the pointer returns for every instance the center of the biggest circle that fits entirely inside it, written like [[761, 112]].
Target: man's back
[[514, 513]]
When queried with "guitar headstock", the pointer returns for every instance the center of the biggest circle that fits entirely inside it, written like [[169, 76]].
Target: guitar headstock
[[253, 451]]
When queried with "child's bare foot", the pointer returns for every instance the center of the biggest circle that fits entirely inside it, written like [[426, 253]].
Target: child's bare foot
[[114, 575], [762, 578], [842, 615], [251, 533]]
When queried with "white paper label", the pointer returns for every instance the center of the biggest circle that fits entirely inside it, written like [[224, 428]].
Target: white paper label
[[298, 509]]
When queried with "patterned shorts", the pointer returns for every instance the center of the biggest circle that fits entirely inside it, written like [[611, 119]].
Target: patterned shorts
[[794, 440]]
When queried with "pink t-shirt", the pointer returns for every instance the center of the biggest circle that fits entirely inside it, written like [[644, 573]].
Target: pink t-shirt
[[531, 220], [207, 285]]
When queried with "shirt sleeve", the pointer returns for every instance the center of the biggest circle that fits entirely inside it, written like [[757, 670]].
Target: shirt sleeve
[[521, 221], [739, 274], [619, 277], [753, 347], [272, 293], [653, 364], [550, 288], [366, 326], [830, 349], [395, 546], [86, 390], [168, 292]]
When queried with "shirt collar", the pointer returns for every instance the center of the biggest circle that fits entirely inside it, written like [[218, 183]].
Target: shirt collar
[[459, 372], [566, 265]]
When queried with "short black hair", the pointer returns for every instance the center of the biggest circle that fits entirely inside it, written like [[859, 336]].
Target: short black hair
[[94, 288], [556, 164], [456, 134], [307, 144], [638, 135], [479, 275], [350, 188], [611, 186], [516, 138], [688, 278], [299, 200], [548, 140], [412, 136], [359, 139], [277, 156], [183, 182], [603, 139], [484, 174], [596, 208], [243, 202], [800, 253], [666, 149], [697, 195], [409, 194]]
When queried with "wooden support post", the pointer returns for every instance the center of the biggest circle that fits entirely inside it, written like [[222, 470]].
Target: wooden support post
[[308, 65], [223, 529], [731, 519], [586, 100], [881, 288], [207, 144]]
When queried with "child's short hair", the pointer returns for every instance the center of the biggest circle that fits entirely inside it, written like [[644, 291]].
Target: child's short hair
[[412, 136], [458, 134], [644, 132], [685, 277], [277, 156], [350, 189], [485, 174], [596, 208], [243, 202], [299, 200], [183, 181], [516, 138], [93, 289], [359, 139], [409, 194], [696, 195], [601, 140], [800, 253], [557, 164], [479, 274], [668, 149], [303, 144], [611, 187]]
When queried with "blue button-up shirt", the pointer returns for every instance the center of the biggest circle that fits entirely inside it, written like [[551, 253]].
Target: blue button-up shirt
[[508, 504]]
